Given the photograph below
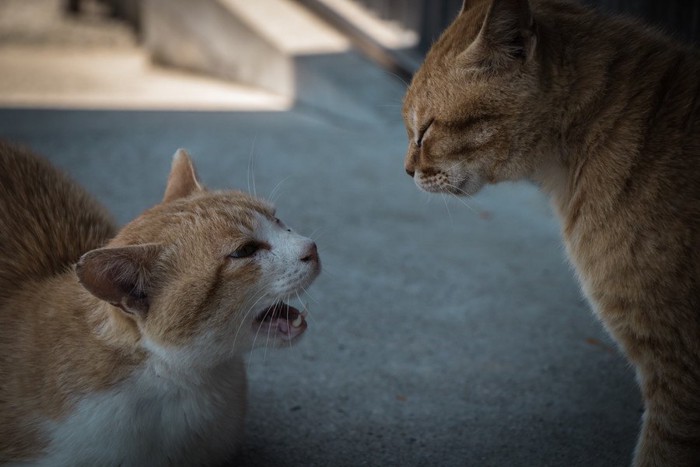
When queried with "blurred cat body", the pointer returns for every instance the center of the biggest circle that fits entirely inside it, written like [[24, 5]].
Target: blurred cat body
[[604, 115], [134, 356]]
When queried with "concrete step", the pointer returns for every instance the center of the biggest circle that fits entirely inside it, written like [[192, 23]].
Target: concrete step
[[50, 59], [276, 45], [43, 76]]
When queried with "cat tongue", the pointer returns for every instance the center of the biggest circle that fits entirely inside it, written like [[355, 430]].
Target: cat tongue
[[291, 329], [288, 321]]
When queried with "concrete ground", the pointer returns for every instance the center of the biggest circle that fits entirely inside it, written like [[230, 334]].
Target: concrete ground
[[442, 332]]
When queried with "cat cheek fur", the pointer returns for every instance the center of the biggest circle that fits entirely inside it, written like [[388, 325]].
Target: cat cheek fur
[[465, 173], [221, 296]]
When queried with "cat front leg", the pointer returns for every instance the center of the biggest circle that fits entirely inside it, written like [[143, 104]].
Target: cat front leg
[[658, 448], [670, 434]]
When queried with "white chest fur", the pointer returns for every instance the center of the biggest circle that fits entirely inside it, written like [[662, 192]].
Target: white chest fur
[[155, 420]]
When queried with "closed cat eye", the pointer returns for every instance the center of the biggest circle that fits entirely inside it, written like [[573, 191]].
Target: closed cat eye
[[423, 130], [246, 250]]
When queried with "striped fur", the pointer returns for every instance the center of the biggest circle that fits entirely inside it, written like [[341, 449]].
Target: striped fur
[[603, 114]]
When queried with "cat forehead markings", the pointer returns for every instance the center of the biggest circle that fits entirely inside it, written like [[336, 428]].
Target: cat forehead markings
[[234, 207], [231, 214]]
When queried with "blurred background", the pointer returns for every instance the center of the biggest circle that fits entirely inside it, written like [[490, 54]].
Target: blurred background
[[442, 331], [136, 53]]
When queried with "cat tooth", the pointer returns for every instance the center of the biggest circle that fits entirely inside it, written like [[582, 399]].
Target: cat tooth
[[297, 322]]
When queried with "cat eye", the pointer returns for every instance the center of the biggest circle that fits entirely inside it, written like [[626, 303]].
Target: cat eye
[[248, 249], [421, 133]]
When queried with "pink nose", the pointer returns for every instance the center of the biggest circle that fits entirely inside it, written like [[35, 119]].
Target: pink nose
[[311, 253]]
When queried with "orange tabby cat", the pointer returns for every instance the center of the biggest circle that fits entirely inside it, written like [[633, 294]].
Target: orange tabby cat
[[604, 115], [133, 356]]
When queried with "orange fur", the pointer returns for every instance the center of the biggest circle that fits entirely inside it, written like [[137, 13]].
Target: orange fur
[[603, 114], [162, 304]]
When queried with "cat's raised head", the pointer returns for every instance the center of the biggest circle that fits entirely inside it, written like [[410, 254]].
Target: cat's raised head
[[204, 273], [473, 109]]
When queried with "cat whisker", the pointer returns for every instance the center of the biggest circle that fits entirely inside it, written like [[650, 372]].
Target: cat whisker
[[447, 207], [465, 204], [326, 271], [460, 200], [459, 190], [257, 331], [308, 294], [251, 167], [397, 76], [273, 193], [304, 309], [452, 167], [245, 316], [320, 231], [288, 324], [267, 340]]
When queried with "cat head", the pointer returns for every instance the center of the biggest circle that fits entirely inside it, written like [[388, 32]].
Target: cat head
[[205, 271], [471, 110]]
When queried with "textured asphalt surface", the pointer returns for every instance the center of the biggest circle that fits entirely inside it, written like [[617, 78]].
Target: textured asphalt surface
[[442, 332]]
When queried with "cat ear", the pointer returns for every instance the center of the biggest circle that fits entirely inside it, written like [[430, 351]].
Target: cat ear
[[466, 4], [506, 37], [183, 177], [121, 276]]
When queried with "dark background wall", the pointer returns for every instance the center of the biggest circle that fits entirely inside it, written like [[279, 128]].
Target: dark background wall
[[429, 18]]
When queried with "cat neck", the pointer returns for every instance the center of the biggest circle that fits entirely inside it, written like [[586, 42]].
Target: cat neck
[[614, 99], [109, 331], [89, 320]]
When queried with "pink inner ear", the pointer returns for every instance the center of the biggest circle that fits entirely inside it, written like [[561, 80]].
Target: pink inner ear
[[183, 180], [119, 276]]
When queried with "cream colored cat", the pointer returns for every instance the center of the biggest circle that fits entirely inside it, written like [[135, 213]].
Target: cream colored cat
[[604, 115], [134, 356]]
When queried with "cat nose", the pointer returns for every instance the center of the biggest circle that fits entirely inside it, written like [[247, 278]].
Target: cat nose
[[410, 164], [311, 253]]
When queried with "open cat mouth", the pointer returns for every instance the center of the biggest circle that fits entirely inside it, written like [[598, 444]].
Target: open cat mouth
[[286, 320]]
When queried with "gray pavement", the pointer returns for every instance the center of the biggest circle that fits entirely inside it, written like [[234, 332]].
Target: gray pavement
[[443, 332], [440, 334]]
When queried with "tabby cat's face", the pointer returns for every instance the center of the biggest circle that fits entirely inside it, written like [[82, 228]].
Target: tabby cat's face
[[470, 111]]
